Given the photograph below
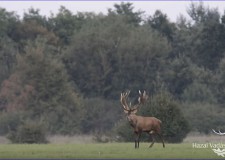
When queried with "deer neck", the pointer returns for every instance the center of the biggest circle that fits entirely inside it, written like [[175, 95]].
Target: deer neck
[[132, 119]]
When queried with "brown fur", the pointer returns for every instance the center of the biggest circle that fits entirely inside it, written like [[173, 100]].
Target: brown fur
[[145, 124]]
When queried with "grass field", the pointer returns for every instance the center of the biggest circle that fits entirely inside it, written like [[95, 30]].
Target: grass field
[[104, 150]]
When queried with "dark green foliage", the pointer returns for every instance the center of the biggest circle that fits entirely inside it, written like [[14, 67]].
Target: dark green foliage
[[198, 92], [115, 53], [160, 22], [30, 132], [7, 57], [8, 21], [10, 121], [64, 24], [47, 66], [34, 15], [40, 86], [8, 48], [179, 75], [127, 11], [203, 117], [123, 131], [208, 35], [99, 116]]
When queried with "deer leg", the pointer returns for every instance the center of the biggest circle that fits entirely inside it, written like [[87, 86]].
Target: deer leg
[[138, 134], [136, 140], [152, 138], [135, 144], [161, 137]]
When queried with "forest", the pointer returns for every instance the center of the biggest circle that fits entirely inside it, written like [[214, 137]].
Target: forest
[[63, 74]]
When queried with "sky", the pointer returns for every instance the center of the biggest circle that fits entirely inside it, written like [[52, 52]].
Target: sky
[[172, 8]]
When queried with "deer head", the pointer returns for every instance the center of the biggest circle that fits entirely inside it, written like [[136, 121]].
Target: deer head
[[129, 109]]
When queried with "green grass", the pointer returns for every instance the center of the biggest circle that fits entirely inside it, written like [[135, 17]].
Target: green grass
[[106, 150]]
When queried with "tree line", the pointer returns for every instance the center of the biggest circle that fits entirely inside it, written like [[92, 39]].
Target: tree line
[[65, 72]]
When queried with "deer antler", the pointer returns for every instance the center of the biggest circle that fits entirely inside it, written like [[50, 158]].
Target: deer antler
[[123, 101], [141, 100], [143, 97]]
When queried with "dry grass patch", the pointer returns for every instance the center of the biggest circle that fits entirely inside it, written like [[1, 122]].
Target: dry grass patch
[[4, 140], [202, 138], [76, 139]]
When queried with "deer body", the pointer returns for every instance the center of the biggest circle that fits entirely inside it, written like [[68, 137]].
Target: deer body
[[150, 125], [144, 124]]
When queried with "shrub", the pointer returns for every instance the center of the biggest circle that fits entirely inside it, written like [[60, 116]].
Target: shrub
[[99, 115], [123, 131], [30, 132], [174, 125], [208, 117], [9, 121]]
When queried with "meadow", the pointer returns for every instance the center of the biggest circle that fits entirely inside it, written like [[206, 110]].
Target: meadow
[[103, 150], [81, 146]]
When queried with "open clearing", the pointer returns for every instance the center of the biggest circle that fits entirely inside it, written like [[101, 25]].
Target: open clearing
[[103, 150]]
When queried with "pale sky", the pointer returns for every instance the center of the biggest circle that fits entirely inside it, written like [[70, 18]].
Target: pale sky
[[171, 8]]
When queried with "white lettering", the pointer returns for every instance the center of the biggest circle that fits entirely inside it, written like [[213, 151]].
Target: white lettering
[[200, 145], [217, 145]]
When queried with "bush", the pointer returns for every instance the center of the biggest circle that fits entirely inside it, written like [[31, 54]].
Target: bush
[[208, 117], [30, 132], [174, 125], [9, 121], [123, 131], [99, 115]]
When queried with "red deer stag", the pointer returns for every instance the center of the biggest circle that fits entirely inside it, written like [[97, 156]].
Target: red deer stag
[[140, 124]]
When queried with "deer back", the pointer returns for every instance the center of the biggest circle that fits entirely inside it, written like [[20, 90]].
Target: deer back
[[145, 124]]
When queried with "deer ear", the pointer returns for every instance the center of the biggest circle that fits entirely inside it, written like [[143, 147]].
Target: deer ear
[[139, 100], [125, 111], [134, 111], [144, 94]]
